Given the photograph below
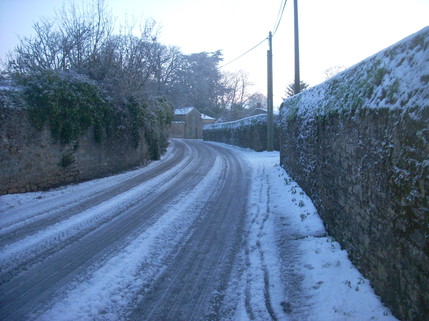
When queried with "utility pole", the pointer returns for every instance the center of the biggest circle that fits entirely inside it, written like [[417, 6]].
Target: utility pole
[[297, 78], [270, 134]]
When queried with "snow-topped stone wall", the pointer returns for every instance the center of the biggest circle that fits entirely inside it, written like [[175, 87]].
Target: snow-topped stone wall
[[30, 160], [250, 132], [358, 144]]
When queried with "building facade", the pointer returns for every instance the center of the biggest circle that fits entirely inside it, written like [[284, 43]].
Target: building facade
[[207, 120], [187, 123]]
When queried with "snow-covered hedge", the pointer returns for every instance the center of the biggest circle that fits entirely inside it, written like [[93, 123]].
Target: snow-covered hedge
[[250, 132], [248, 121], [396, 77], [358, 145]]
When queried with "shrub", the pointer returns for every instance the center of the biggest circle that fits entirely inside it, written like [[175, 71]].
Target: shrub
[[68, 104]]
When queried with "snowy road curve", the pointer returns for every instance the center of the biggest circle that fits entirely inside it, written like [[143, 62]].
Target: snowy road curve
[[209, 232], [156, 244]]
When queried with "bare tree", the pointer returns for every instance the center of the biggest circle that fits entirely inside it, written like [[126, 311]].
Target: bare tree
[[80, 40], [236, 89], [70, 41], [257, 100]]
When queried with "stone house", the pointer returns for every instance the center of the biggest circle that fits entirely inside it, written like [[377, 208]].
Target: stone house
[[187, 123], [207, 120]]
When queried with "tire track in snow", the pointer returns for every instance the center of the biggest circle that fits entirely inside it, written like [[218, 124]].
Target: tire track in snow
[[145, 260], [18, 256], [15, 225], [197, 277], [38, 284], [258, 276]]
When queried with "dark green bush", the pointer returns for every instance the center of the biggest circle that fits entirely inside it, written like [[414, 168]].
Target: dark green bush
[[69, 105]]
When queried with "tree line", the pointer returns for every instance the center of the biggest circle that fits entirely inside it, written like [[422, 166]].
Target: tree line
[[84, 42]]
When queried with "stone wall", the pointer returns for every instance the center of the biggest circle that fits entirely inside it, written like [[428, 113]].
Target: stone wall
[[359, 146], [249, 132], [30, 160]]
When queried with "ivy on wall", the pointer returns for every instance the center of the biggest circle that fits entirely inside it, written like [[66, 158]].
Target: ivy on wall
[[70, 104]]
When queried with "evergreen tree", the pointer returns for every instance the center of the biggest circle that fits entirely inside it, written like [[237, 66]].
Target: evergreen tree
[[291, 89]]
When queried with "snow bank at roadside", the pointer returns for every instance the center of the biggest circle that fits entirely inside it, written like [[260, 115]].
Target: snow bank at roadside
[[310, 276]]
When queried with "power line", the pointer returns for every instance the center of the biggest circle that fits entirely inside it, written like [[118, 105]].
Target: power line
[[280, 16], [279, 19], [254, 47]]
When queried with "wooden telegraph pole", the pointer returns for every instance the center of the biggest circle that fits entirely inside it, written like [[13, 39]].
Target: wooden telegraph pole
[[270, 134], [297, 77]]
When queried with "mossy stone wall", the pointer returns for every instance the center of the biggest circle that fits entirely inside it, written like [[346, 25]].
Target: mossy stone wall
[[32, 160], [358, 145]]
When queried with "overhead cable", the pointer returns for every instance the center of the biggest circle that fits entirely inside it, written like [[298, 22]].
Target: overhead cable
[[254, 47], [279, 13], [279, 19], [280, 16]]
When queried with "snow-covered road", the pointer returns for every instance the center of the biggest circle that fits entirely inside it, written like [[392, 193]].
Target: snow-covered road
[[210, 232]]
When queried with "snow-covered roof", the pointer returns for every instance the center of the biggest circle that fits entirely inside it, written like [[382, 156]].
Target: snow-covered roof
[[204, 116], [184, 110]]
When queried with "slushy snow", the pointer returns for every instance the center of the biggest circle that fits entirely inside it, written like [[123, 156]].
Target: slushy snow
[[289, 269]]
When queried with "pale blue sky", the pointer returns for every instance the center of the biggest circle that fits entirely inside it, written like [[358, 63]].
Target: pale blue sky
[[332, 32]]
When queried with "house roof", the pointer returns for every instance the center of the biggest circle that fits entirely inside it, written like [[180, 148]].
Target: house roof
[[204, 116], [261, 109], [183, 111]]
